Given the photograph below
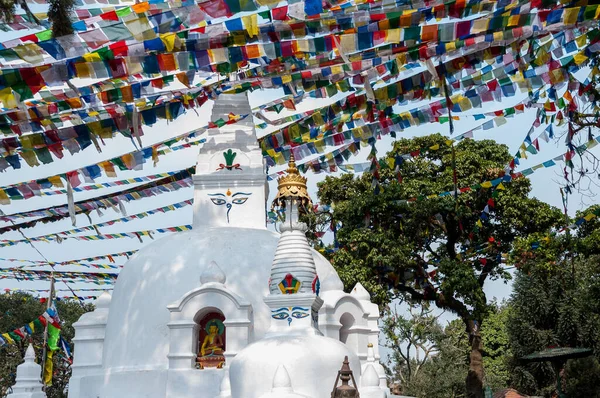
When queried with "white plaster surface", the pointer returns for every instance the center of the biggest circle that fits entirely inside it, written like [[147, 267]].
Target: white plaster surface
[[137, 335], [312, 363]]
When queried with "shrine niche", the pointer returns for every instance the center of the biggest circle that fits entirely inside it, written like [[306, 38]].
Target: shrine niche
[[211, 341]]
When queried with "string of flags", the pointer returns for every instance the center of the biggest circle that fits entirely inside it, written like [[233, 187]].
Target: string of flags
[[63, 235], [48, 317]]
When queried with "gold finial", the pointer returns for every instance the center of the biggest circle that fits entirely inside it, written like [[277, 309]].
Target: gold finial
[[292, 186]]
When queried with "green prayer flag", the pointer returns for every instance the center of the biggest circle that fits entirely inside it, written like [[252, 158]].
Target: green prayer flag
[[44, 35], [123, 12], [53, 336]]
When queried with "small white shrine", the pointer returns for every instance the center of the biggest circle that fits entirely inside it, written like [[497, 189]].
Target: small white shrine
[[28, 382], [230, 309]]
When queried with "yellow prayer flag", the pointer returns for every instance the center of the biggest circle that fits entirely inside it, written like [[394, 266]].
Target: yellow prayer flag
[[268, 3], [56, 181], [581, 41], [390, 162], [392, 36], [8, 339], [589, 216], [570, 15], [251, 24], [7, 98], [481, 25], [92, 57], [29, 52], [487, 184], [348, 43], [4, 199], [434, 147], [479, 224], [513, 20], [579, 58], [49, 368], [501, 187], [169, 40], [83, 69], [32, 326]]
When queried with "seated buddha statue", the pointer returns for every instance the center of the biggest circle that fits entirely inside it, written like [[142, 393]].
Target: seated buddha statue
[[211, 351]]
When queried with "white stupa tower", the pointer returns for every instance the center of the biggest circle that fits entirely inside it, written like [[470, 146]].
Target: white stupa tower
[[230, 309], [230, 169], [293, 344]]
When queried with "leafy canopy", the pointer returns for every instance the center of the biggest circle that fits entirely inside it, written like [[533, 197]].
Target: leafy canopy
[[439, 248]]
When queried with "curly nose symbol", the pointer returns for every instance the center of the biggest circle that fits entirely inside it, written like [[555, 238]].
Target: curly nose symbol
[[229, 206]]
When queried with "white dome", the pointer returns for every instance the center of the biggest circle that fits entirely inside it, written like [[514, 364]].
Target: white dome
[[312, 363], [161, 273]]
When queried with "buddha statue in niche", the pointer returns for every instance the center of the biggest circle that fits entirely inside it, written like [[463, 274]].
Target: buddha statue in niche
[[212, 345]]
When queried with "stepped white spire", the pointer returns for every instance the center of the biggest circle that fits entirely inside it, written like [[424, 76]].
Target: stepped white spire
[[293, 270]]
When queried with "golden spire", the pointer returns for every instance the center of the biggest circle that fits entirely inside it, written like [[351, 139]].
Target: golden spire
[[292, 186]]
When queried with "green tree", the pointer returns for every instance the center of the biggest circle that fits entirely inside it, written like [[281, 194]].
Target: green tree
[[434, 249], [496, 347], [412, 341], [556, 302], [18, 309], [447, 362], [556, 307], [59, 14]]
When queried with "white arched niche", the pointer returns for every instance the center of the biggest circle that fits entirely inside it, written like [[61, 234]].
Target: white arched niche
[[184, 323]]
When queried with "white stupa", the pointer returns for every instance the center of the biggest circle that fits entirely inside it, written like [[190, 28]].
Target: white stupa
[[28, 383], [229, 309]]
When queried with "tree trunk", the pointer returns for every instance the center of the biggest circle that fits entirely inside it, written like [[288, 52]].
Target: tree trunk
[[474, 381]]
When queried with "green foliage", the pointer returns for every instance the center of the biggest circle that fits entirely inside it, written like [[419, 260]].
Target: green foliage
[[59, 15], [434, 249], [18, 309], [496, 346], [557, 307], [447, 364], [412, 342], [392, 247], [7, 10]]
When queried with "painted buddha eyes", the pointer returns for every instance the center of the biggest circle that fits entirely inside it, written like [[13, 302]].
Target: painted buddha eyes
[[289, 313], [299, 315], [281, 316], [229, 199]]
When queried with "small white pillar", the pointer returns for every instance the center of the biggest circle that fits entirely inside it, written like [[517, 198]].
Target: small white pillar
[[29, 383], [225, 385], [89, 343], [370, 384]]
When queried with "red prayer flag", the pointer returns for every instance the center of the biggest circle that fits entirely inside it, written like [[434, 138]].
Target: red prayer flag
[[110, 16], [216, 8], [279, 13]]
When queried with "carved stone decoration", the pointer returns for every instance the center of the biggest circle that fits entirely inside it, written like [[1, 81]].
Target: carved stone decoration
[[211, 341], [293, 186]]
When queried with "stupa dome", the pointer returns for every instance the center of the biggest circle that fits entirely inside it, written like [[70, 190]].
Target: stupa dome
[[165, 270], [311, 361]]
